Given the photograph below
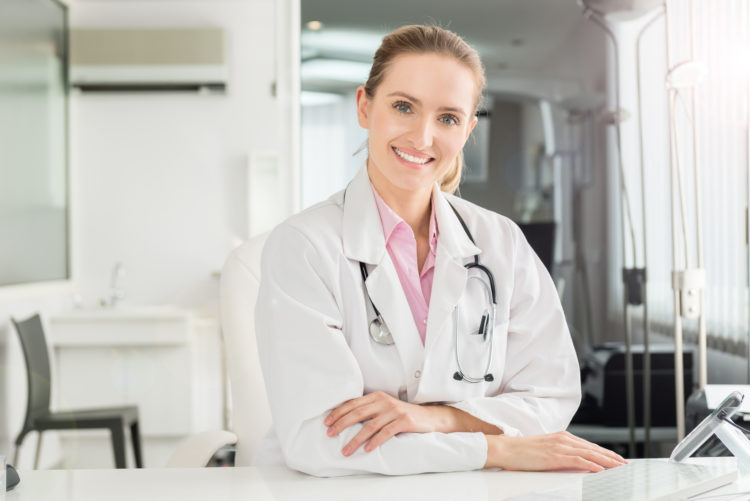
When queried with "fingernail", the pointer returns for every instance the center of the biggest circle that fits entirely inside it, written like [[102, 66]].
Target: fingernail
[[330, 432], [345, 451], [368, 448], [327, 422]]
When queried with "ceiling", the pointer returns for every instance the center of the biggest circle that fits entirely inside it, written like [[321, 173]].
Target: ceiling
[[520, 35]]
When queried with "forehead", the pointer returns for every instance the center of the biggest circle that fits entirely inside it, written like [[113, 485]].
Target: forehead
[[435, 79]]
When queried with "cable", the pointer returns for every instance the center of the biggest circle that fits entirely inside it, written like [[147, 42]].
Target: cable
[[678, 174]]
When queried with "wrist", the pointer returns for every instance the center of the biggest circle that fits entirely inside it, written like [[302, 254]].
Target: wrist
[[492, 446], [444, 418]]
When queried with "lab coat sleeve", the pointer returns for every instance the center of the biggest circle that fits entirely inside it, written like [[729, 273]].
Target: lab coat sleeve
[[540, 389], [309, 370]]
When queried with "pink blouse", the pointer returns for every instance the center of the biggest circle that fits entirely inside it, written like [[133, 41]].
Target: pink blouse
[[402, 247]]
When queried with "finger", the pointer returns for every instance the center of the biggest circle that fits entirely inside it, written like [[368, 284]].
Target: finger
[[598, 458], [356, 415], [580, 463], [611, 454], [369, 429], [585, 443], [572, 462], [341, 410], [385, 433]]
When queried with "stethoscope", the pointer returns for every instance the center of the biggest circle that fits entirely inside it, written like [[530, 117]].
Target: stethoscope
[[381, 334]]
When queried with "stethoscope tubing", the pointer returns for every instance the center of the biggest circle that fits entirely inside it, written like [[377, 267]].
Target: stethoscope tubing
[[380, 333]]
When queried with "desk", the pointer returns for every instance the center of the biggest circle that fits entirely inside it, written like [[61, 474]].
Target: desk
[[281, 484]]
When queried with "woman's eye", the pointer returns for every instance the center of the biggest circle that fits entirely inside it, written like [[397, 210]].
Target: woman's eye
[[402, 107], [449, 120]]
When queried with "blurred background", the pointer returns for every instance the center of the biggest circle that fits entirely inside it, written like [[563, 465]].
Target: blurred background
[[142, 140]]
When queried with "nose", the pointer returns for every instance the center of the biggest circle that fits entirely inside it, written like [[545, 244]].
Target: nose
[[422, 134]]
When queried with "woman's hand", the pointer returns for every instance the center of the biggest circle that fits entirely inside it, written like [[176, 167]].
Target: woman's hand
[[555, 451], [386, 416]]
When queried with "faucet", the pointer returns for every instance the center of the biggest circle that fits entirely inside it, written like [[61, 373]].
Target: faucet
[[116, 293]]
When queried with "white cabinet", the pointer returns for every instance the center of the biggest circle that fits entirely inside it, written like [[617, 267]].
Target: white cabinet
[[165, 361]]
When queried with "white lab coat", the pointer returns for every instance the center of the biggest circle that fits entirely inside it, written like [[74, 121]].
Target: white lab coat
[[312, 320]]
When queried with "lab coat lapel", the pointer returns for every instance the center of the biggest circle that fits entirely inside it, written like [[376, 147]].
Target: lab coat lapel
[[386, 292], [454, 249], [363, 241]]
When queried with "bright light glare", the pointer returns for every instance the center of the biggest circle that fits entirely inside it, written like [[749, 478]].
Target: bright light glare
[[334, 70]]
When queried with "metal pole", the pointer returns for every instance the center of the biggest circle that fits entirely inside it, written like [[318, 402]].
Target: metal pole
[[702, 362], [678, 369], [644, 292], [624, 209]]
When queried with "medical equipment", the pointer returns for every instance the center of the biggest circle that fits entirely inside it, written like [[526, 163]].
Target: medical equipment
[[603, 383], [381, 334], [720, 423], [635, 278], [687, 283]]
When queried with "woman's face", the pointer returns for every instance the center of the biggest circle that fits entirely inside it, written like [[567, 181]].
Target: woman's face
[[418, 121]]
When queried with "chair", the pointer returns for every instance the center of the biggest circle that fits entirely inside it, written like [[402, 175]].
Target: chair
[[40, 418], [251, 415]]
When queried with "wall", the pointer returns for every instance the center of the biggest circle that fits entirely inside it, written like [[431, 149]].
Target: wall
[[162, 178]]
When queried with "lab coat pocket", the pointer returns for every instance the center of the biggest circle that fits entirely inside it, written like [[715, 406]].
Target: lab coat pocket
[[479, 353]]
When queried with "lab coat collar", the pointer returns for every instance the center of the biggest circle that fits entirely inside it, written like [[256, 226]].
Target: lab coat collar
[[451, 234], [363, 238]]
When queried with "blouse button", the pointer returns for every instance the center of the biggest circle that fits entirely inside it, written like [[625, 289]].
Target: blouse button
[[417, 374]]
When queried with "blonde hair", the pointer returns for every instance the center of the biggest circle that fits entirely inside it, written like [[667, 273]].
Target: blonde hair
[[418, 39]]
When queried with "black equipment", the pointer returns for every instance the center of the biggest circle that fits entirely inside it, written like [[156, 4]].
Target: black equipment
[[603, 385]]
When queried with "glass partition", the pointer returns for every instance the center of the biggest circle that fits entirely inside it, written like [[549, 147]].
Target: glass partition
[[34, 233]]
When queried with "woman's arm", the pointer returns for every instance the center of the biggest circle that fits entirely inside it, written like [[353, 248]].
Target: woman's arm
[[553, 451], [540, 387], [385, 416], [309, 370]]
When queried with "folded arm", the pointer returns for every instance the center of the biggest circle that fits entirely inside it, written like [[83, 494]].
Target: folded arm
[[309, 370]]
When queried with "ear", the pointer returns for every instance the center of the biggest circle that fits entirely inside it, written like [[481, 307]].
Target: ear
[[362, 108], [471, 127]]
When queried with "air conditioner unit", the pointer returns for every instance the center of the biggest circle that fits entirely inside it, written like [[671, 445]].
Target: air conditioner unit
[[161, 59]]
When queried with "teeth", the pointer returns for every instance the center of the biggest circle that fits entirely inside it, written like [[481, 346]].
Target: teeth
[[410, 158]]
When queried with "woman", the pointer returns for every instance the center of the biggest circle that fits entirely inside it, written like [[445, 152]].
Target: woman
[[366, 299]]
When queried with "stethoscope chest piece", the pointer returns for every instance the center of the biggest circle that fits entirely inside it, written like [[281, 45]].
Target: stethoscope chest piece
[[380, 333]]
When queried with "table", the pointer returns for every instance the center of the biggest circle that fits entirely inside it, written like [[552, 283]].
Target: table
[[281, 484]]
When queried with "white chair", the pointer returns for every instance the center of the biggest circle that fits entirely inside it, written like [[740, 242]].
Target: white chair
[[251, 416]]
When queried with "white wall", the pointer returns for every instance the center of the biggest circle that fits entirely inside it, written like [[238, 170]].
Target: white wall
[[162, 177], [160, 181]]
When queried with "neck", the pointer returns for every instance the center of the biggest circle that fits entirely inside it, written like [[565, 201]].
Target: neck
[[413, 207]]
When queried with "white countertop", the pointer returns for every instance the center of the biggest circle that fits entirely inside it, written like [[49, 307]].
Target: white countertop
[[281, 484], [129, 313], [266, 484]]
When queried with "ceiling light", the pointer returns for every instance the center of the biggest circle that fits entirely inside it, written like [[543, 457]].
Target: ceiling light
[[314, 25]]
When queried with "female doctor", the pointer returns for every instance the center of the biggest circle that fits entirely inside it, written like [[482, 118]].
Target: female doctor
[[402, 329]]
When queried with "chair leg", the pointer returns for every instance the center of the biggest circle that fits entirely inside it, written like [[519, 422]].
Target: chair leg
[[19, 440], [38, 451], [135, 437], [118, 444]]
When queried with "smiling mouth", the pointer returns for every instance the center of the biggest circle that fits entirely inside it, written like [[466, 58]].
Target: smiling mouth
[[412, 158]]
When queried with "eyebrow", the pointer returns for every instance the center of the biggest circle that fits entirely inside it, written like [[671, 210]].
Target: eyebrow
[[417, 101]]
